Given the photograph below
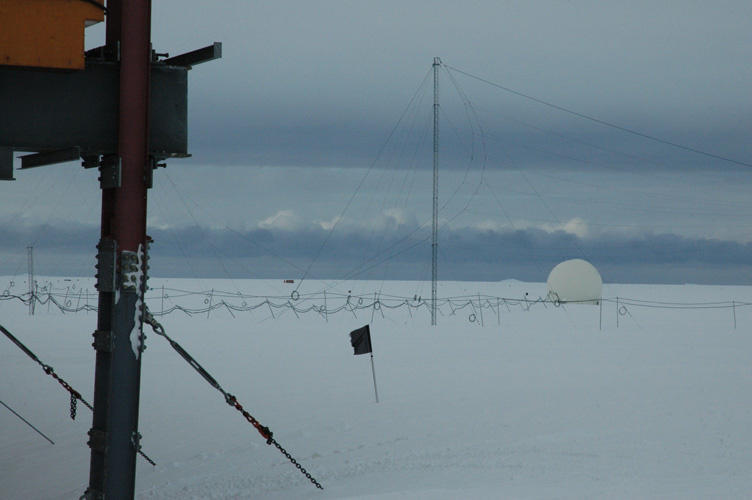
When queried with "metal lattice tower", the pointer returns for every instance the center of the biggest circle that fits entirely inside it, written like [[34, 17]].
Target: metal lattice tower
[[435, 226]]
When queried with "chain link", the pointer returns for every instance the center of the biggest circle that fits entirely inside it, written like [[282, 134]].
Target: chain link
[[152, 462], [229, 398], [136, 439], [268, 435], [73, 407], [74, 394], [295, 463]]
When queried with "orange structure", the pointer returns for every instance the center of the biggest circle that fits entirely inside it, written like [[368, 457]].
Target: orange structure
[[46, 33]]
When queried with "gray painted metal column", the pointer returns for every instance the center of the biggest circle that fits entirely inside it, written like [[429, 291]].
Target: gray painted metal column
[[114, 437]]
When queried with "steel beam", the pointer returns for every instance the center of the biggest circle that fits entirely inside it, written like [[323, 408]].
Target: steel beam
[[51, 157], [48, 111], [195, 57]]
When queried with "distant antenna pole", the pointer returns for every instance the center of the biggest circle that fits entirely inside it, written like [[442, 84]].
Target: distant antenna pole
[[32, 294], [435, 227]]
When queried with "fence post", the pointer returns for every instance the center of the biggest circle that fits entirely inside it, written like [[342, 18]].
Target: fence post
[[480, 306], [617, 312], [326, 309], [211, 299]]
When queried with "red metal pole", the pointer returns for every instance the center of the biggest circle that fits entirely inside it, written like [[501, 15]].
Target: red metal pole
[[133, 135], [124, 209]]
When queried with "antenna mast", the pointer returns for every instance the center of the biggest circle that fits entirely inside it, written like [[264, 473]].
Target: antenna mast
[[435, 226]]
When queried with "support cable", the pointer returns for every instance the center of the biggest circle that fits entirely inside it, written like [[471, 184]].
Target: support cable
[[74, 394], [265, 432], [602, 122], [27, 422], [357, 189]]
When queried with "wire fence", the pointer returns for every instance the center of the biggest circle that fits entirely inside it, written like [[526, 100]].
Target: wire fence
[[72, 298]]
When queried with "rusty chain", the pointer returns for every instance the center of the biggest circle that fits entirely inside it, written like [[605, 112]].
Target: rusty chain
[[75, 396], [229, 398], [268, 435], [296, 464]]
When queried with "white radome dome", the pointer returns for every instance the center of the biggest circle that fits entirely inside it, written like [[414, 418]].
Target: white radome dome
[[576, 281]]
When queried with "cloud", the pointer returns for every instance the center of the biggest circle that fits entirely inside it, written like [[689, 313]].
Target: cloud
[[329, 225], [396, 244], [466, 254], [284, 219], [575, 226]]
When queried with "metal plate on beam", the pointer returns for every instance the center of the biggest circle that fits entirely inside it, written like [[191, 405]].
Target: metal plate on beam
[[110, 170], [106, 265]]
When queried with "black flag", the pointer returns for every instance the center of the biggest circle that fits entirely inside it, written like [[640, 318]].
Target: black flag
[[361, 340]]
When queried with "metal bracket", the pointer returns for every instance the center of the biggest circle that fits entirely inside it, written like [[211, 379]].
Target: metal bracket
[[136, 440], [103, 341], [130, 269], [97, 440], [150, 168], [106, 262], [109, 172], [90, 160]]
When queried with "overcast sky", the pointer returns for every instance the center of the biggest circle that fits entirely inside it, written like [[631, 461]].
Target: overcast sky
[[312, 153]]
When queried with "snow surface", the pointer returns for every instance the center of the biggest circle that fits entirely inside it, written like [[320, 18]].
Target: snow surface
[[544, 403]]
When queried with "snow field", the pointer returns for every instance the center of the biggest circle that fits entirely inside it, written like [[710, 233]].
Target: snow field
[[548, 403]]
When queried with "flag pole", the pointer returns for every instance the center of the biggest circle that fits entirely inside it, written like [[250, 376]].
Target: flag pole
[[360, 339], [374, 379]]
